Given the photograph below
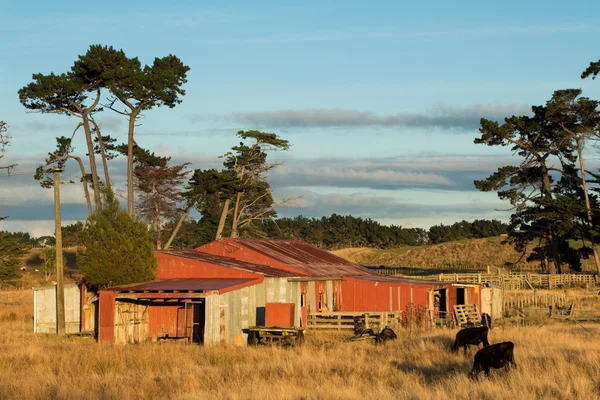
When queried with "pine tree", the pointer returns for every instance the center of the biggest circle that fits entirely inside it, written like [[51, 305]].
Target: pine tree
[[116, 249]]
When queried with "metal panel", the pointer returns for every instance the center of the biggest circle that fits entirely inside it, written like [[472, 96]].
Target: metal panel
[[131, 323], [186, 284], [45, 308], [204, 264], [311, 298], [106, 328], [329, 293], [211, 327]]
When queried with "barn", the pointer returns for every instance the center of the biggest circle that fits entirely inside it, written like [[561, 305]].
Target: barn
[[212, 294]]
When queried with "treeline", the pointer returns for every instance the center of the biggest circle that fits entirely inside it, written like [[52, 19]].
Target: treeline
[[333, 232]]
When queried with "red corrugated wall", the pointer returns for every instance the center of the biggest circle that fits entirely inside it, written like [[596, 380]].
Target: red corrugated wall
[[244, 254], [362, 295], [106, 328], [168, 319], [177, 267]]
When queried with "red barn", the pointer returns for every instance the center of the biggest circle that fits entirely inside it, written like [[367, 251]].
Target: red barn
[[214, 293]]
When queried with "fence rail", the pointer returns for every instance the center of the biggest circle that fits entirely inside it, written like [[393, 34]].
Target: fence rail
[[348, 320], [508, 280], [534, 300]]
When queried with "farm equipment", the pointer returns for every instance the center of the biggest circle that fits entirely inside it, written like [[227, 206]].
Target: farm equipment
[[263, 335]]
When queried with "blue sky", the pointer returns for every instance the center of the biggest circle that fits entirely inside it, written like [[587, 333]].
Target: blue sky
[[380, 100]]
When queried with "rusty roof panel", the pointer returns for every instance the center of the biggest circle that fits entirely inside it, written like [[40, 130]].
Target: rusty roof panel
[[184, 285], [398, 279], [302, 256], [229, 262]]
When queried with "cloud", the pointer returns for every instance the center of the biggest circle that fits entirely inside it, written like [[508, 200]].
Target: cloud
[[36, 228], [341, 176], [390, 208], [440, 117]]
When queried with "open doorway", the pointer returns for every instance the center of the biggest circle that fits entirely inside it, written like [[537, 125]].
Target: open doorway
[[439, 301], [461, 296], [195, 325]]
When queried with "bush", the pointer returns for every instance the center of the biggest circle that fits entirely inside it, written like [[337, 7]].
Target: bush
[[114, 248]]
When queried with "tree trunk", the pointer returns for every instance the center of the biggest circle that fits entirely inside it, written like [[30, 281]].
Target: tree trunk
[[85, 185], [102, 154], [94, 171], [554, 259], [222, 219], [234, 223], [132, 118], [587, 202], [178, 226], [157, 216]]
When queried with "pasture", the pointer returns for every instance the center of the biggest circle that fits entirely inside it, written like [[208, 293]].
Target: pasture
[[556, 360]]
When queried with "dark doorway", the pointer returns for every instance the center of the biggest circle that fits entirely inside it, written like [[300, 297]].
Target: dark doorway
[[460, 296], [440, 303], [198, 322]]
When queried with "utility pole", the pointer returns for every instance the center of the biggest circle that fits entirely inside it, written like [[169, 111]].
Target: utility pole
[[60, 288]]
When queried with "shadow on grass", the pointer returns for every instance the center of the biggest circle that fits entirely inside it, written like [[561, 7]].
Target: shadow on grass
[[435, 373]]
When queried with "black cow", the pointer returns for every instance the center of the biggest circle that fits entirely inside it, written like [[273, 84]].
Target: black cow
[[486, 320], [385, 335], [498, 355], [468, 336]]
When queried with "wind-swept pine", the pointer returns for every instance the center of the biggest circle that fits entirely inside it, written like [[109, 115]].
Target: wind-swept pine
[[579, 120], [58, 158], [116, 249], [254, 202], [70, 94], [546, 210], [135, 87]]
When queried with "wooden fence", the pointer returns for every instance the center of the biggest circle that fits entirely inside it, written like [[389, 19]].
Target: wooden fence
[[531, 299], [509, 280], [347, 320]]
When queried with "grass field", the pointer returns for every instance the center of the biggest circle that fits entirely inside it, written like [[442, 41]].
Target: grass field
[[555, 361]]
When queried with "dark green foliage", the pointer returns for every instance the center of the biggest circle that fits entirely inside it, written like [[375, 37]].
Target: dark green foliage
[[480, 228], [338, 231], [544, 189], [13, 246], [71, 233], [117, 249], [593, 70]]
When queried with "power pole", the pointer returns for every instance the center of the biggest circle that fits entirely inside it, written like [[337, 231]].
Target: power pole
[[60, 288]]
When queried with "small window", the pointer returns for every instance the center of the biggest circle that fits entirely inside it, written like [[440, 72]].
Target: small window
[[302, 299], [320, 301]]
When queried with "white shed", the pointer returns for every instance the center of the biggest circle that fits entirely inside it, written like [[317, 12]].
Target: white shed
[[44, 308]]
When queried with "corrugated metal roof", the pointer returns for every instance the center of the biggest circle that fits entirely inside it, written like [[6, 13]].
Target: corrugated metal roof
[[387, 278], [302, 256], [183, 285], [229, 263]]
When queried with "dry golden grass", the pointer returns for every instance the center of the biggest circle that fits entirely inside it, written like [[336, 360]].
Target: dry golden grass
[[555, 361]]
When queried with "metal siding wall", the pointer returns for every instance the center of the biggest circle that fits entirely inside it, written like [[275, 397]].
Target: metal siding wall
[[168, 319], [131, 323], [45, 309], [177, 267], [270, 290], [329, 293], [212, 322], [311, 297], [106, 329]]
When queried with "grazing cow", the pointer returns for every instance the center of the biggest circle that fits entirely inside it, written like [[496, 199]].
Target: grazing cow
[[486, 320], [498, 355], [468, 336], [385, 335]]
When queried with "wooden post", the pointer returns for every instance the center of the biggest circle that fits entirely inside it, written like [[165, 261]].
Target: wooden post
[[60, 289]]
